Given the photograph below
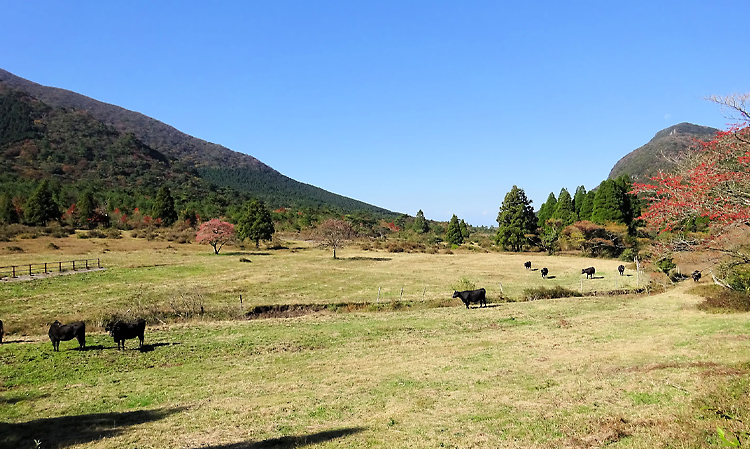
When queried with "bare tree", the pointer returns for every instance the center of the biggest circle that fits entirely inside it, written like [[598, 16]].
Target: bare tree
[[334, 234]]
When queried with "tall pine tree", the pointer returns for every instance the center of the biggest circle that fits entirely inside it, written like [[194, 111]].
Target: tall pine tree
[[515, 220], [609, 203], [41, 207], [578, 199], [163, 207], [420, 223], [453, 234], [565, 210], [547, 209], [255, 223]]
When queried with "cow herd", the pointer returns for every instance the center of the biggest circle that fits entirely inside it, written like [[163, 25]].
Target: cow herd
[[119, 330]]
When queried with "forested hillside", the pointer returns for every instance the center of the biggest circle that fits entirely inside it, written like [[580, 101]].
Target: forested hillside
[[80, 143], [660, 152]]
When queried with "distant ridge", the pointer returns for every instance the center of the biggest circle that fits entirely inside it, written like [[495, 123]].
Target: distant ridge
[[654, 156], [212, 162]]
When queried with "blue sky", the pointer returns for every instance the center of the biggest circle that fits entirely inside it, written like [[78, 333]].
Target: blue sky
[[408, 105]]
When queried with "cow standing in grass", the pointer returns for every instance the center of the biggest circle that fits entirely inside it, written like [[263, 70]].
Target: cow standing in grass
[[621, 269], [589, 272], [696, 275], [123, 330], [470, 296], [527, 265], [545, 272], [63, 332]]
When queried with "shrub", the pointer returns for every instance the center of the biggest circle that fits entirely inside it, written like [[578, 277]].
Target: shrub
[[464, 284], [114, 233], [628, 255], [15, 249], [666, 265], [52, 246], [532, 294]]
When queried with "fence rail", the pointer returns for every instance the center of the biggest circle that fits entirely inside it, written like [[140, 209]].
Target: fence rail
[[14, 271]]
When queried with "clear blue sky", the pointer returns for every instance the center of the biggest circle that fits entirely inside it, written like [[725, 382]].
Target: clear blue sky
[[408, 105]]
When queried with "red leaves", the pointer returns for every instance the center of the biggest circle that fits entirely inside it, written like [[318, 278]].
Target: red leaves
[[216, 233]]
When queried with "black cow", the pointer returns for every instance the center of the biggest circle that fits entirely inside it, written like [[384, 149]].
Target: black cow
[[469, 296], [2, 332], [544, 272], [696, 275], [527, 265], [589, 272], [621, 269], [63, 332], [123, 330]]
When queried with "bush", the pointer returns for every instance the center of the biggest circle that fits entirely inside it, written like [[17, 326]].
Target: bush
[[52, 246], [628, 255], [666, 265], [114, 233], [464, 284], [15, 249], [532, 294], [722, 300]]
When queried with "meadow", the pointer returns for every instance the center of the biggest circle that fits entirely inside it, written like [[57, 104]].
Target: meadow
[[394, 369]]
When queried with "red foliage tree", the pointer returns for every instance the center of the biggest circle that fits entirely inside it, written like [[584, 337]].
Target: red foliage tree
[[713, 182], [216, 233]]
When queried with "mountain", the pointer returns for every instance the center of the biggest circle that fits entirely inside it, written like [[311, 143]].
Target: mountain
[[209, 162], [659, 152]]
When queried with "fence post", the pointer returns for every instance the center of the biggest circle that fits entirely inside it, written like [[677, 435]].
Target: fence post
[[14, 271], [74, 265], [377, 300], [45, 267], [30, 270], [423, 292], [87, 264], [402, 294], [98, 263], [59, 267]]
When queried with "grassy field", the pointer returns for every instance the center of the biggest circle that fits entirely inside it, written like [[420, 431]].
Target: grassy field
[[621, 371]]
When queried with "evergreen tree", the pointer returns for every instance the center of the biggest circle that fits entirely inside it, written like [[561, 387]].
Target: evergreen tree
[[546, 211], [420, 223], [465, 232], [578, 199], [609, 203], [453, 234], [587, 206], [631, 204], [41, 206], [255, 222], [163, 207], [565, 210], [86, 208], [515, 220], [8, 213]]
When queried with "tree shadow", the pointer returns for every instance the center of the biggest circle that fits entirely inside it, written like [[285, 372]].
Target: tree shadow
[[291, 441], [74, 430], [17, 399], [377, 259], [89, 348]]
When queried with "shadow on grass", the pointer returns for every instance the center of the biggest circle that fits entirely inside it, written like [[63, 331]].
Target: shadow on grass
[[149, 348], [377, 259], [551, 277], [74, 430], [292, 441]]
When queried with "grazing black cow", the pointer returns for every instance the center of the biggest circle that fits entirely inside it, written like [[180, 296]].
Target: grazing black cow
[[123, 330], [63, 332], [696, 275], [589, 272], [2, 332], [621, 269], [527, 265], [469, 296], [545, 271]]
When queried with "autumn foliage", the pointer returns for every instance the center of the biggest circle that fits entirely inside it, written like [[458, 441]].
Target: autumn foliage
[[216, 233]]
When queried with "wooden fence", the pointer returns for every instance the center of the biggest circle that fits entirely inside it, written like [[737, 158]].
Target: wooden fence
[[13, 271]]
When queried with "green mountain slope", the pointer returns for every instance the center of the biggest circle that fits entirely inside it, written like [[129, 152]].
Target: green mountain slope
[[208, 162], [660, 151]]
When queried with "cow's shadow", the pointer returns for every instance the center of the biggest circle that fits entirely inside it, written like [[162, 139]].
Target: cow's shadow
[[149, 348], [551, 277], [74, 430], [90, 348], [291, 441]]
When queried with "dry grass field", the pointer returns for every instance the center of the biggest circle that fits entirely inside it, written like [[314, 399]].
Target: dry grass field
[[631, 371]]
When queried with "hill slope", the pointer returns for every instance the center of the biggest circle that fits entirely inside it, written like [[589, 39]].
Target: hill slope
[[219, 165], [647, 160]]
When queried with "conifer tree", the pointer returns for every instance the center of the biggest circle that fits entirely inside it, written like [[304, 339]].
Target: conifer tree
[[86, 208], [565, 210], [8, 213], [41, 206], [609, 203], [547, 209], [255, 222], [453, 234], [587, 206], [578, 199], [420, 223], [163, 207], [515, 220], [465, 232]]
